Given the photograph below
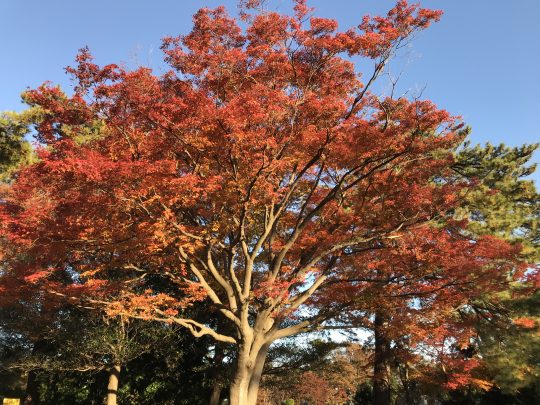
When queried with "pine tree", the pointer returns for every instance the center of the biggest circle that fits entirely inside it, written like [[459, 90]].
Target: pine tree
[[14, 146], [505, 202]]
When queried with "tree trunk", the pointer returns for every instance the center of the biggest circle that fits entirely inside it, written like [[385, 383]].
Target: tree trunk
[[239, 387], [54, 388], [216, 375], [216, 394], [32, 384], [381, 377], [32, 389], [406, 384], [112, 388], [249, 367], [255, 381]]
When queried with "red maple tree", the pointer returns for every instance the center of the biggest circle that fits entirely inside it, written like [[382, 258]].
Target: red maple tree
[[414, 292], [259, 174]]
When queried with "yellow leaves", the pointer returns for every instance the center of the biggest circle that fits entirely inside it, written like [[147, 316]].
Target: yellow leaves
[[160, 234], [144, 306], [161, 237], [152, 199], [90, 273], [95, 283], [168, 214], [482, 384]]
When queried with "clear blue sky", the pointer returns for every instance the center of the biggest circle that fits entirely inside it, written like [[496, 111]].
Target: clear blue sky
[[482, 61]]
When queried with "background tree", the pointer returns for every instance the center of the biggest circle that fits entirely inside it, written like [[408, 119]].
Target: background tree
[[508, 322], [15, 151], [317, 371], [500, 201], [15, 148]]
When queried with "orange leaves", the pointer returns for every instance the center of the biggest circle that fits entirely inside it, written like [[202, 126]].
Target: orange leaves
[[273, 289], [267, 32], [37, 276], [151, 305], [380, 33], [316, 389], [139, 305], [525, 323], [461, 372], [89, 74], [320, 26], [257, 167]]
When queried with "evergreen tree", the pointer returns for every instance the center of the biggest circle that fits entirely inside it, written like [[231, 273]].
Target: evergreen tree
[[504, 202], [15, 149]]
